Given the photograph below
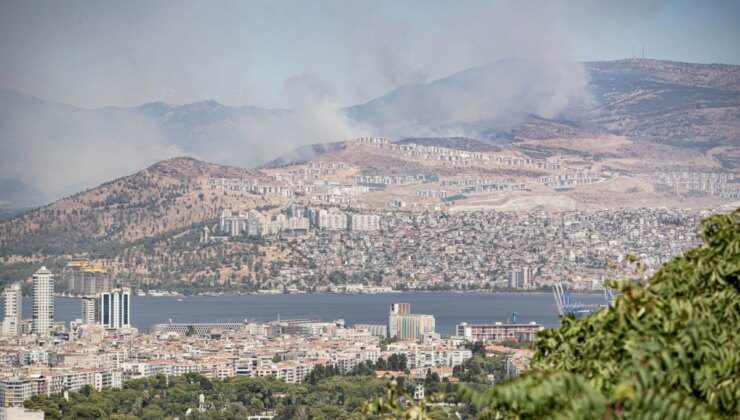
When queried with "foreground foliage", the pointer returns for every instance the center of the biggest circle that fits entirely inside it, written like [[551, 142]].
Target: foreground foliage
[[158, 397], [668, 350]]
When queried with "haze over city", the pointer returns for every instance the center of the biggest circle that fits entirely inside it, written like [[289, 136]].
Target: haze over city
[[315, 59], [273, 210]]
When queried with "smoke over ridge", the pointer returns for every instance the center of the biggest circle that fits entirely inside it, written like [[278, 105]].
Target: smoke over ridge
[[60, 149]]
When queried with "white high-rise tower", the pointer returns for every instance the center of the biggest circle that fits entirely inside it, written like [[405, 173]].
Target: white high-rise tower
[[43, 300], [13, 310]]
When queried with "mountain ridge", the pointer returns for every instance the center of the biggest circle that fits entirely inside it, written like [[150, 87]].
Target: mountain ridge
[[656, 101]]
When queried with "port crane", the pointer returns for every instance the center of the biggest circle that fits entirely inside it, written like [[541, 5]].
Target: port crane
[[568, 307]]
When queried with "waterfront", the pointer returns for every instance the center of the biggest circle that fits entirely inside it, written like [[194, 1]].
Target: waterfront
[[448, 308]]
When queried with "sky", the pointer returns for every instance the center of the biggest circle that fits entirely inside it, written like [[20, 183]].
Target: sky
[[93, 54]]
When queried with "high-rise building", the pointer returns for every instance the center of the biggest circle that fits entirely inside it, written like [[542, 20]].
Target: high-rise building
[[13, 310], [397, 309], [43, 300], [85, 279], [403, 324], [519, 279], [90, 310], [115, 308]]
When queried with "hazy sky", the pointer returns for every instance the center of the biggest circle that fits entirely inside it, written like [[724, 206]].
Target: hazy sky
[[268, 53]]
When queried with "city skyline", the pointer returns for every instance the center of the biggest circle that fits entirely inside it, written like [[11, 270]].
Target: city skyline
[[280, 209]]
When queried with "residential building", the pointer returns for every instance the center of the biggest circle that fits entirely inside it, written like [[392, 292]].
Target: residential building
[[519, 279], [405, 325], [329, 220], [378, 330], [90, 310], [364, 223], [499, 332], [13, 310], [43, 300], [518, 363], [14, 390]]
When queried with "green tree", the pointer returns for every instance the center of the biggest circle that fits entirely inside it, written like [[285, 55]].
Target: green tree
[[667, 350], [190, 331]]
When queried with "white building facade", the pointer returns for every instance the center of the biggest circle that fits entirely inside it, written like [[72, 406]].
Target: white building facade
[[43, 300], [13, 310]]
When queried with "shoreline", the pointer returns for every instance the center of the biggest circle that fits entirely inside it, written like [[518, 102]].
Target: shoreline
[[395, 292]]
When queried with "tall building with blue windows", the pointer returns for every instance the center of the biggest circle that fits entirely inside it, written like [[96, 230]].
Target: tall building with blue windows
[[115, 308]]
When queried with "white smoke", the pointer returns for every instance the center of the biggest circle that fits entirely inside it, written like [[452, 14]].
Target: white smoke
[[60, 149], [358, 52]]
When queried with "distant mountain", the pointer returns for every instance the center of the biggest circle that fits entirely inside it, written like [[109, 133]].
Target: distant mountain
[[61, 149], [481, 102], [654, 100], [15, 193], [208, 129]]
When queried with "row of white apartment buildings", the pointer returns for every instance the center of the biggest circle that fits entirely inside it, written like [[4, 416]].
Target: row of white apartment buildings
[[325, 219], [571, 179], [427, 355], [254, 223], [15, 389], [444, 154], [248, 185], [393, 179], [498, 331], [457, 156], [715, 183]]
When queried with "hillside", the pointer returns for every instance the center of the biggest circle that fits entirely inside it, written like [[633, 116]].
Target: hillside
[[459, 143], [165, 196], [676, 103]]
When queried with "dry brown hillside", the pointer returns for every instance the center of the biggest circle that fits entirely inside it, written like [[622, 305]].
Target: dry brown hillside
[[168, 195]]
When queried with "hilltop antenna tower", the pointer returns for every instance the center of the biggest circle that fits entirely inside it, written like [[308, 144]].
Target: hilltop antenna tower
[[643, 52]]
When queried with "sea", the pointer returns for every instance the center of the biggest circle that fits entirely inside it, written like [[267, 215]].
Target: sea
[[448, 308]]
